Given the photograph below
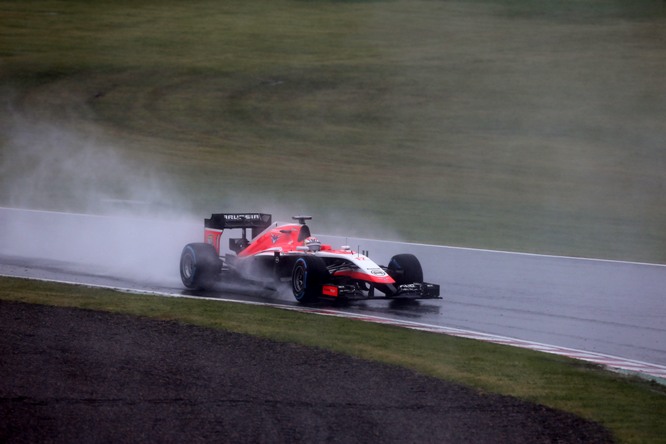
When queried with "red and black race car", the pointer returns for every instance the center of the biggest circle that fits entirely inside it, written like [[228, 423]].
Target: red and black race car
[[287, 252]]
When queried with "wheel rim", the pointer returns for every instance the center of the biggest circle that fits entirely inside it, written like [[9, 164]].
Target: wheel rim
[[188, 266], [298, 280]]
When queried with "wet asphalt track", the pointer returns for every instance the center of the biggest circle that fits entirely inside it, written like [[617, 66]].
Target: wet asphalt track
[[615, 308]]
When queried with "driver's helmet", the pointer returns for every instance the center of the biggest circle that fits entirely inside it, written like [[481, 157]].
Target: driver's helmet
[[313, 243]]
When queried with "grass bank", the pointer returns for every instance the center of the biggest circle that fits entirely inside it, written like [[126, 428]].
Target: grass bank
[[631, 408], [493, 124]]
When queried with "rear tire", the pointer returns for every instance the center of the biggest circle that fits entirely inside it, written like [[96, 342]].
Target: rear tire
[[200, 266], [307, 278], [405, 269]]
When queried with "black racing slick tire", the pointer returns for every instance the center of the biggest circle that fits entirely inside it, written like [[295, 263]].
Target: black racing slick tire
[[199, 266], [405, 269], [307, 278]]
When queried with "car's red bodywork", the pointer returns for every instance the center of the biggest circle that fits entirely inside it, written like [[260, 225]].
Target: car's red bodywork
[[279, 251]]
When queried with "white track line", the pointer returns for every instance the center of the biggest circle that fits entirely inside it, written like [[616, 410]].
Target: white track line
[[518, 253], [646, 370], [515, 253], [651, 371]]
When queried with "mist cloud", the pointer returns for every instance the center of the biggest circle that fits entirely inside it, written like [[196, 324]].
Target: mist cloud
[[64, 169]]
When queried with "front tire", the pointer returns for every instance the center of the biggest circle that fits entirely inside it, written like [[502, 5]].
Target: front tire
[[200, 266], [307, 278], [405, 269]]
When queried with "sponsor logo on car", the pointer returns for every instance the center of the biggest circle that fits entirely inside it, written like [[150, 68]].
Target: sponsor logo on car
[[377, 271], [242, 217]]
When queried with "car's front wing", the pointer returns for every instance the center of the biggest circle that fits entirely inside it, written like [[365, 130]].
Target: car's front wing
[[422, 290], [417, 290]]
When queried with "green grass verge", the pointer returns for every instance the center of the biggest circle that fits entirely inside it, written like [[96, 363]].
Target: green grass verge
[[499, 123], [631, 408]]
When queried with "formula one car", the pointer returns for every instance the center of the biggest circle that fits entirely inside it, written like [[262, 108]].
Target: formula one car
[[287, 252]]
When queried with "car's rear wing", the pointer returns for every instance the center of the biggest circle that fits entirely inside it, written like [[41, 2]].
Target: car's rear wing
[[218, 222]]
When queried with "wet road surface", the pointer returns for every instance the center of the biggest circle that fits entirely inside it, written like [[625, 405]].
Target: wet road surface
[[615, 308]]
